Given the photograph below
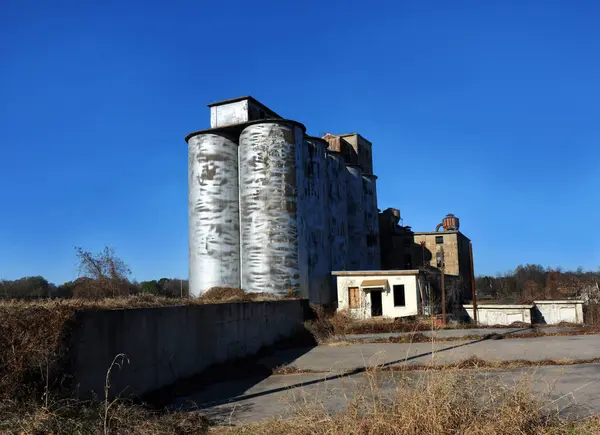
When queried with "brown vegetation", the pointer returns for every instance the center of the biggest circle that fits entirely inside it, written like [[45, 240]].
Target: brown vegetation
[[433, 404], [474, 362]]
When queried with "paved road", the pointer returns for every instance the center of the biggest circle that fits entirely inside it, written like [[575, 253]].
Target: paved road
[[457, 333], [338, 359], [573, 389], [341, 374]]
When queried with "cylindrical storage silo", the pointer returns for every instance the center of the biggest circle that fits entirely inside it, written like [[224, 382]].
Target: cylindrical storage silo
[[373, 257], [313, 232], [269, 207], [213, 212], [357, 241], [337, 205]]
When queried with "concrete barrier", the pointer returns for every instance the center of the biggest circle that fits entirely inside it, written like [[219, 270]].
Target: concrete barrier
[[500, 314], [553, 312], [166, 344]]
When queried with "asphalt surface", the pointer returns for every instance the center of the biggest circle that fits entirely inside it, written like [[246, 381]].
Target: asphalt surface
[[457, 333], [340, 374]]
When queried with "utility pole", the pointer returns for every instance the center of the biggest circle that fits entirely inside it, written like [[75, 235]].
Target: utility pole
[[443, 286], [181, 288], [473, 289]]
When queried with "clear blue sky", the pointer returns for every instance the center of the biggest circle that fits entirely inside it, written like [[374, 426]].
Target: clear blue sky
[[489, 110]]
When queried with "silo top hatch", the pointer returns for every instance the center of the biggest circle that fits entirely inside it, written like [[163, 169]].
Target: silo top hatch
[[238, 111]]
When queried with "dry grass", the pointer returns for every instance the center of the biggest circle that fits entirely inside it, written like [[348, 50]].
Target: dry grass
[[72, 417], [481, 364], [435, 403]]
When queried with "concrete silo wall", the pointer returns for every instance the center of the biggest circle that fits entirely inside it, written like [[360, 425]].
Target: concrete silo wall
[[314, 248], [269, 206], [357, 246], [213, 212], [373, 257], [337, 205]]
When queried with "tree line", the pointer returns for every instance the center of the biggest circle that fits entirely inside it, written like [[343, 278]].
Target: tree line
[[531, 282], [102, 274]]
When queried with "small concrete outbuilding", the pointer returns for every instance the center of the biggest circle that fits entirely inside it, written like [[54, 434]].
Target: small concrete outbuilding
[[490, 314], [387, 293], [554, 312]]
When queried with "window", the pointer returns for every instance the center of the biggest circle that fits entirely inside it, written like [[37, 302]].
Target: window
[[407, 261], [399, 299], [439, 240], [353, 297]]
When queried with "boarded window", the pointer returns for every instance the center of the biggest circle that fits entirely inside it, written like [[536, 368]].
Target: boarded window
[[399, 299], [353, 297]]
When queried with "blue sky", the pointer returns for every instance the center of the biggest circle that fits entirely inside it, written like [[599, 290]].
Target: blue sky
[[489, 110]]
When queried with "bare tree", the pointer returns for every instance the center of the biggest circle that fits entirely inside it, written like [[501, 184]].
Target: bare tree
[[103, 274]]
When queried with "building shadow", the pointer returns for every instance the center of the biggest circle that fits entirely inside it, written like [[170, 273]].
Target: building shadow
[[227, 394]]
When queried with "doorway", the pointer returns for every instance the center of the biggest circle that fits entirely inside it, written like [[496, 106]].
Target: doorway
[[376, 304]]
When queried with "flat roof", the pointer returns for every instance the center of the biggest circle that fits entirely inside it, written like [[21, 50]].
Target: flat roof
[[233, 131], [235, 100], [563, 301], [438, 233], [492, 306], [374, 272], [355, 134]]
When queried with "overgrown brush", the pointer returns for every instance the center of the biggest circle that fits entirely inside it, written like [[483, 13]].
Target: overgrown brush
[[75, 417], [325, 327]]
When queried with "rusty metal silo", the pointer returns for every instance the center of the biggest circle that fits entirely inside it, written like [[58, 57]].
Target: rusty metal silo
[[337, 204], [313, 225], [357, 243], [269, 206], [213, 212], [373, 253]]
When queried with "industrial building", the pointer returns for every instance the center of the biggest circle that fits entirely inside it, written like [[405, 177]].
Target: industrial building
[[445, 248], [273, 209]]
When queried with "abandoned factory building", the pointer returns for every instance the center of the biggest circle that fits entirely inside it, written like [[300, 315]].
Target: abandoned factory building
[[273, 209]]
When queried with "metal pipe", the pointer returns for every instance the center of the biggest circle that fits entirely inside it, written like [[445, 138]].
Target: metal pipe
[[473, 288]]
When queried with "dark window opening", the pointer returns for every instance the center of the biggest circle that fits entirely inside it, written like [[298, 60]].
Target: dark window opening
[[399, 298], [439, 240]]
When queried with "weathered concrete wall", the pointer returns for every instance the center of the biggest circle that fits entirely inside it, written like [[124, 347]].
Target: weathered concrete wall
[[269, 207], [500, 314], [213, 212], [553, 312], [228, 114], [166, 344]]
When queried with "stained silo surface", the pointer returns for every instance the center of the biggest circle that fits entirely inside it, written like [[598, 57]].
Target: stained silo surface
[[213, 212], [337, 205], [314, 248], [268, 206], [373, 254], [356, 258]]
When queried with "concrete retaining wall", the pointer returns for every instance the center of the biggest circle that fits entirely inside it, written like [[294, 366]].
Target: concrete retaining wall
[[167, 344], [553, 312], [500, 314]]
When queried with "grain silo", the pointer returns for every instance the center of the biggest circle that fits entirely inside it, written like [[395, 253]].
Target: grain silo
[[373, 254], [314, 247], [357, 246], [269, 206], [213, 211], [337, 205]]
